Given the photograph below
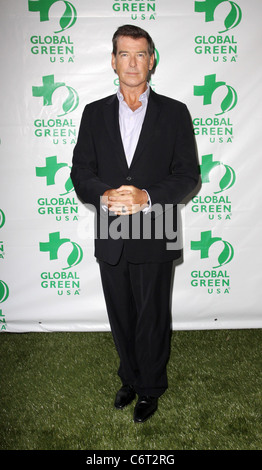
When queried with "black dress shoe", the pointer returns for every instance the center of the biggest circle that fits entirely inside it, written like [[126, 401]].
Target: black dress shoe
[[124, 396], [145, 407]]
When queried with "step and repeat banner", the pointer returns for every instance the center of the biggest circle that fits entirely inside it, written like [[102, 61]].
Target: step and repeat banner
[[56, 58]]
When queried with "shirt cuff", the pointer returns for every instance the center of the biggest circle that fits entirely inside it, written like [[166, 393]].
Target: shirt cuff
[[148, 208]]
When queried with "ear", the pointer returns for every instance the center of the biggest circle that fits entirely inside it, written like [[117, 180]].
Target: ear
[[113, 61], [151, 61]]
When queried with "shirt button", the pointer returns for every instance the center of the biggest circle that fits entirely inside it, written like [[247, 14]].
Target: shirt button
[[128, 178]]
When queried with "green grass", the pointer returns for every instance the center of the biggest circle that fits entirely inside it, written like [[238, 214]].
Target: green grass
[[57, 393]]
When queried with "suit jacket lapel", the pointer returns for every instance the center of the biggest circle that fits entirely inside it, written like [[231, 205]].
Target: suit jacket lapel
[[147, 131], [111, 115]]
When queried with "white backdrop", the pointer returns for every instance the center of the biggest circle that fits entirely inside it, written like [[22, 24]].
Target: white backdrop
[[55, 58]]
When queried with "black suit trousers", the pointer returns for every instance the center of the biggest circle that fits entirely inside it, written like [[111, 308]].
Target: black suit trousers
[[138, 303]]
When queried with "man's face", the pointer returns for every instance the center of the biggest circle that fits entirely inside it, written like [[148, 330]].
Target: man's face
[[132, 61]]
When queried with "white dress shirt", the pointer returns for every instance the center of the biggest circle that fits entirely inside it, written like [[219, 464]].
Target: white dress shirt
[[131, 122]]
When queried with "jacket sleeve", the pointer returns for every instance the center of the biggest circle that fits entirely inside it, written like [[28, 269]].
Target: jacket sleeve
[[184, 171], [87, 184]]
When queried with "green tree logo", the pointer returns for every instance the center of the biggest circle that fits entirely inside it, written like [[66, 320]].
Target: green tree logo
[[4, 291], [157, 57], [67, 20], [207, 241], [53, 245], [2, 218], [47, 89], [208, 164], [209, 6], [50, 170], [210, 86]]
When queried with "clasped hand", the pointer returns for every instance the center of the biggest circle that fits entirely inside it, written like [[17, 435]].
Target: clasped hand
[[125, 200]]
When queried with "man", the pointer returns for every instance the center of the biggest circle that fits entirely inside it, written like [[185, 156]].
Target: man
[[136, 152]]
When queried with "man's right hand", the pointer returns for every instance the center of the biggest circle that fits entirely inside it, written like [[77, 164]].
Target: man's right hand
[[116, 206]]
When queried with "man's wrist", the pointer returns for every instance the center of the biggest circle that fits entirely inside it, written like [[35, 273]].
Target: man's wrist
[[147, 198], [148, 202], [104, 197]]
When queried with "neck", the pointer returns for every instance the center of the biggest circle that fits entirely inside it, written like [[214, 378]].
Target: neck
[[132, 94]]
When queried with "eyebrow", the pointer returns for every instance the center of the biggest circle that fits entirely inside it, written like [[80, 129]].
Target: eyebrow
[[137, 52]]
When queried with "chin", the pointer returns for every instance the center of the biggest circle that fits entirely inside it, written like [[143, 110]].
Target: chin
[[133, 80]]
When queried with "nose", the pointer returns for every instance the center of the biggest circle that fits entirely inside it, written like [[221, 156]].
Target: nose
[[132, 61]]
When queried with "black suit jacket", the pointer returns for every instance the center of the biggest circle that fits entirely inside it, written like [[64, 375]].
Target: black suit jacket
[[164, 164]]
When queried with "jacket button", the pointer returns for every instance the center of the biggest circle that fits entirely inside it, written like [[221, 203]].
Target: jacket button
[[128, 178]]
